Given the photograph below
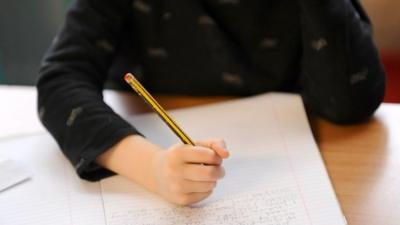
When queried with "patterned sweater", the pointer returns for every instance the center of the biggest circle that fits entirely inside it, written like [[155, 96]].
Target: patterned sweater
[[322, 49]]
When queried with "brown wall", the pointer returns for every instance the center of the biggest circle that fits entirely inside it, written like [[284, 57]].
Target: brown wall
[[385, 15]]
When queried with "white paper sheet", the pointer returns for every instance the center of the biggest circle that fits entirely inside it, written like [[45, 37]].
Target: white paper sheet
[[11, 173], [54, 194], [19, 116], [275, 175]]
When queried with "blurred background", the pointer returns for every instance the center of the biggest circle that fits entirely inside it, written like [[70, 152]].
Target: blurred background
[[26, 32]]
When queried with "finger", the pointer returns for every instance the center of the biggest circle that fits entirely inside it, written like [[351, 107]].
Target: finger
[[218, 145], [188, 186], [208, 142], [200, 155], [221, 151], [196, 172], [188, 199]]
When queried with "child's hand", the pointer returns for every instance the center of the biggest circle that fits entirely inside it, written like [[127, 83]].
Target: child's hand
[[187, 174]]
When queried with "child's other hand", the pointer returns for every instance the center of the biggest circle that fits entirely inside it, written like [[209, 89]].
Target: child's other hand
[[187, 174]]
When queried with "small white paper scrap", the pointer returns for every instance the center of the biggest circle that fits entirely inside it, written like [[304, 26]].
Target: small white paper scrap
[[11, 173]]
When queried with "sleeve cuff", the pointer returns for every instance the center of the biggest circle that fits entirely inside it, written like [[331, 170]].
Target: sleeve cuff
[[86, 166]]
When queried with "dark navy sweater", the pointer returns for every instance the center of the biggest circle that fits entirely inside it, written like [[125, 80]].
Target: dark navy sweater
[[322, 49]]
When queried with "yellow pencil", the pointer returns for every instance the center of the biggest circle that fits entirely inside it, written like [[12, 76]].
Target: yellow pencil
[[135, 84]]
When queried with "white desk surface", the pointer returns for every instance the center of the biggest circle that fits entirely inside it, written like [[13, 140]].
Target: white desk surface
[[18, 114]]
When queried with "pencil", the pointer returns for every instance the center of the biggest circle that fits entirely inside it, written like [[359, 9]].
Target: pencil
[[142, 92]]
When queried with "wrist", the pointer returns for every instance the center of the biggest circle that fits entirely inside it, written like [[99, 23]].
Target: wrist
[[133, 157]]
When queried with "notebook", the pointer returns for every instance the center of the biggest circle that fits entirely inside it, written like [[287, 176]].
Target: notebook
[[275, 175]]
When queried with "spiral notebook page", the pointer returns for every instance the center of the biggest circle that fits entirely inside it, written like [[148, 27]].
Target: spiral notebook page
[[275, 174]]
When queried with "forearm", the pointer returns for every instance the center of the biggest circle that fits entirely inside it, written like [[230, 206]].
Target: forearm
[[71, 81], [133, 157]]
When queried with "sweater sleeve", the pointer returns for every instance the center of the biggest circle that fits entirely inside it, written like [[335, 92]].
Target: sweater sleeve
[[343, 79], [72, 76]]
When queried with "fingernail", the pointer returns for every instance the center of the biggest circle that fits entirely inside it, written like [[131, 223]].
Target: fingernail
[[228, 153]]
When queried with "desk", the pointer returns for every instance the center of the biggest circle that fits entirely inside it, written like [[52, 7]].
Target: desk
[[364, 165], [363, 160]]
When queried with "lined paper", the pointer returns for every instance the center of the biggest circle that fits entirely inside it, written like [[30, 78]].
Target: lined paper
[[54, 194], [12, 173], [275, 174]]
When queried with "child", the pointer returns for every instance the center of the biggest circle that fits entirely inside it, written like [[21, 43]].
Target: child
[[322, 49]]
